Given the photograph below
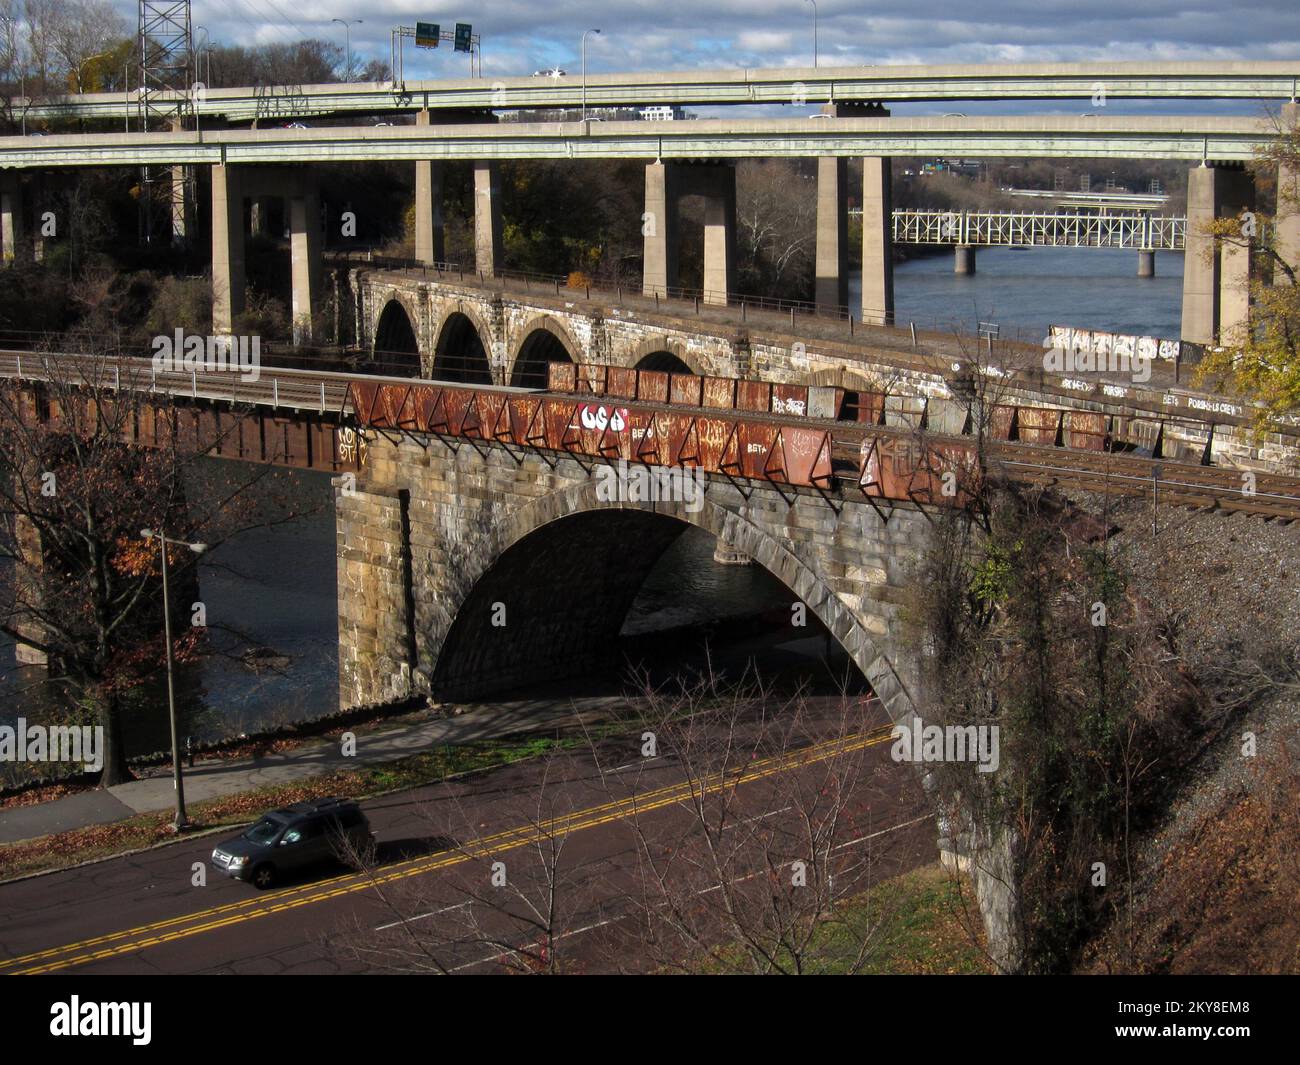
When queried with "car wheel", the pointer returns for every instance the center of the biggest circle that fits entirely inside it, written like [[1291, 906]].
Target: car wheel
[[263, 877]]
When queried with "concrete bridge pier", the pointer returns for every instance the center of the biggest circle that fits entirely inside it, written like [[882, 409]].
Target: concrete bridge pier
[[964, 259], [877, 241], [488, 256], [1287, 226], [1215, 297], [659, 228], [305, 252], [832, 290], [227, 247], [230, 185], [429, 246], [718, 186], [11, 216], [665, 185], [1146, 262]]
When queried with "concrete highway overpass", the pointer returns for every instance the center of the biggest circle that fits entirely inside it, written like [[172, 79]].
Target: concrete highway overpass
[[1191, 138], [1206, 80]]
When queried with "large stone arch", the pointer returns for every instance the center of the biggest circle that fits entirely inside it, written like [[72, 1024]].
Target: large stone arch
[[650, 355], [461, 353], [542, 339], [395, 350], [466, 643]]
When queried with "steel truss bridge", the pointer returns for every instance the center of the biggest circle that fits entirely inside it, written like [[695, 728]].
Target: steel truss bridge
[[1013, 229]]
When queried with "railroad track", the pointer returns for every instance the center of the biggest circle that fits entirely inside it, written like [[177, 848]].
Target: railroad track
[[1170, 483]]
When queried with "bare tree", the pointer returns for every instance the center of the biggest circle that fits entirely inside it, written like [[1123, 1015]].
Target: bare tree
[[80, 587]]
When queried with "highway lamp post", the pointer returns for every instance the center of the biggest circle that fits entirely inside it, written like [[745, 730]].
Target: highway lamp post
[[181, 822], [194, 87], [584, 72], [814, 7], [347, 24]]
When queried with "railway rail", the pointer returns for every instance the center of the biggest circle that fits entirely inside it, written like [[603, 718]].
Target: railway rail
[[799, 439]]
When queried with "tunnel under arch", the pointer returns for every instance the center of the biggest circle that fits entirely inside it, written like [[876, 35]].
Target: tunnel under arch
[[397, 349], [567, 574], [541, 345], [459, 355], [664, 362]]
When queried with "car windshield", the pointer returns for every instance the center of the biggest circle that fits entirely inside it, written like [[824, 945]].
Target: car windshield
[[264, 831]]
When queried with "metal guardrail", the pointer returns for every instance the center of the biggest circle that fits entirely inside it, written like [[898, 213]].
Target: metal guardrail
[[276, 388]]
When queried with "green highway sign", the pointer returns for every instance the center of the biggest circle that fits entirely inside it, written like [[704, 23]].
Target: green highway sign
[[427, 34], [463, 35]]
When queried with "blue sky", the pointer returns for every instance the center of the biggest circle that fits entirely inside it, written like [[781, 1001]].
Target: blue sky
[[520, 37]]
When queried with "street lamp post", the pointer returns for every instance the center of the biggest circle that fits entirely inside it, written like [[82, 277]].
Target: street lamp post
[[814, 7], [198, 58], [347, 24], [584, 72], [181, 821]]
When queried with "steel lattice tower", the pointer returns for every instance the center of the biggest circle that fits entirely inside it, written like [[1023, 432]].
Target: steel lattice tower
[[166, 47]]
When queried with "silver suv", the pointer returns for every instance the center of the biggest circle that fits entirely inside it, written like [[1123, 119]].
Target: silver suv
[[295, 837]]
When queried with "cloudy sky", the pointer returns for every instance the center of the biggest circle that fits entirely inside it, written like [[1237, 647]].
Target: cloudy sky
[[520, 37]]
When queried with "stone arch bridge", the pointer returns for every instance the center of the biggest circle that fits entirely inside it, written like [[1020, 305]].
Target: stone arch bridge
[[436, 547]]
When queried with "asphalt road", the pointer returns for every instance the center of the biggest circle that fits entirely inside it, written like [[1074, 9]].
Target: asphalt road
[[578, 839]]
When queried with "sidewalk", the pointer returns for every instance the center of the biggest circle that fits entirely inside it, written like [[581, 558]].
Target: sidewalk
[[217, 778]]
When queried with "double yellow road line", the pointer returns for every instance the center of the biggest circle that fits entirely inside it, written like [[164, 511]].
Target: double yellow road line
[[175, 928]]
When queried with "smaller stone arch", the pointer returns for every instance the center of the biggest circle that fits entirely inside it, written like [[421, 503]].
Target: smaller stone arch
[[664, 354], [461, 353], [395, 349], [543, 339]]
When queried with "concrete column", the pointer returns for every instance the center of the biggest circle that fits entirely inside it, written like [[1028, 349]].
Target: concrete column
[[429, 247], [832, 289], [11, 217], [227, 247], [877, 242], [1214, 192], [964, 259], [832, 280], [1146, 262], [1286, 241], [1237, 194], [1200, 265], [720, 236], [488, 256], [305, 249], [659, 227]]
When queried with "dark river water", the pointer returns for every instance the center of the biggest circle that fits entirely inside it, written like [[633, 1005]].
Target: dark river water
[[277, 585], [1026, 291]]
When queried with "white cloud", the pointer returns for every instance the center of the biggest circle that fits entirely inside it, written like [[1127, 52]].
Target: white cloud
[[522, 35]]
